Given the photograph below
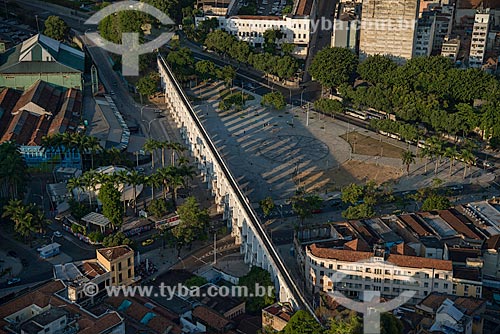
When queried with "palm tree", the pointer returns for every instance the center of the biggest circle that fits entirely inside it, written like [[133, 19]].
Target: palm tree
[[75, 183], [176, 182], [89, 181], [41, 222], [467, 158], [451, 153], [121, 178], [163, 145], [24, 222], [153, 181], [425, 152], [436, 148], [134, 178], [176, 147], [163, 175], [93, 146], [408, 158], [187, 172], [150, 146], [182, 161], [12, 171]]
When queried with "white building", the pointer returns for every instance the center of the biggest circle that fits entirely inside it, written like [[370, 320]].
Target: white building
[[376, 271], [250, 28], [449, 319], [450, 48], [346, 26], [479, 38]]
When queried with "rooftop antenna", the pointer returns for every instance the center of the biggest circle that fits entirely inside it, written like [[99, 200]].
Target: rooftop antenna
[[37, 27]]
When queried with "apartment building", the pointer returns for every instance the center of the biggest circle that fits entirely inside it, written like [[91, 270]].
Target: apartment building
[[426, 29], [388, 28], [480, 32], [346, 26], [275, 317], [450, 48], [444, 24], [119, 261], [391, 274]]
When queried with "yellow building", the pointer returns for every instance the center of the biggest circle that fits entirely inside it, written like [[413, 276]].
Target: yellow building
[[119, 261]]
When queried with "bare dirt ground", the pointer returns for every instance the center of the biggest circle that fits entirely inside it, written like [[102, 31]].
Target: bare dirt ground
[[365, 145], [333, 179]]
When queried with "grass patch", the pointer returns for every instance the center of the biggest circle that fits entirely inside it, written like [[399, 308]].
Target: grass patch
[[366, 145]]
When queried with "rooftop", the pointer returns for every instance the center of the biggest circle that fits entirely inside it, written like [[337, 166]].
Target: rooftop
[[304, 7], [114, 253], [468, 305], [41, 54], [399, 260], [280, 310], [211, 318]]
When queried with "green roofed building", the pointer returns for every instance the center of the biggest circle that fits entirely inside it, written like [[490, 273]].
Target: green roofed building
[[41, 58]]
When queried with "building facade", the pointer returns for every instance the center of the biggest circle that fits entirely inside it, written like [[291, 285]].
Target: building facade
[[388, 28], [119, 261], [479, 38], [450, 48], [390, 274], [426, 29]]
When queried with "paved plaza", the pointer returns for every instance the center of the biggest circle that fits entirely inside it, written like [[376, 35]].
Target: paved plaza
[[274, 153]]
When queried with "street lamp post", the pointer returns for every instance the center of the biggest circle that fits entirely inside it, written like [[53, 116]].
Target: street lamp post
[[149, 125], [301, 94]]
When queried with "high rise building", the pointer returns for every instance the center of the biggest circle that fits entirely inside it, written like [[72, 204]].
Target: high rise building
[[479, 38], [388, 27]]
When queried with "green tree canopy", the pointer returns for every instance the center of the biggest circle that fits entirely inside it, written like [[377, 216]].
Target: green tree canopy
[[258, 277], [436, 202], [352, 193], [111, 204], [275, 100], [56, 28], [193, 225], [302, 323], [267, 205], [377, 69], [333, 66], [148, 84]]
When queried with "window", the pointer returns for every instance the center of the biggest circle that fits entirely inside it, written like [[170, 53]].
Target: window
[[113, 280], [321, 264], [378, 271], [436, 285], [478, 291], [339, 267], [426, 285], [119, 266], [466, 288], [377, 280], [386, 280], [321, 273], [426, 275], [376, 288], [113, 267], [129, 273], [445, 285], [129, 262], [387, 272], [330, 266], [368, 270], [367, 287], [436, 276], [120, 279]]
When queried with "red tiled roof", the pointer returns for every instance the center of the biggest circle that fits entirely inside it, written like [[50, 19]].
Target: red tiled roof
[[357, 245], [403, 249], [399, 260], [113, 253], [304, 7], [210, 318], [411, 221], [455, 222]]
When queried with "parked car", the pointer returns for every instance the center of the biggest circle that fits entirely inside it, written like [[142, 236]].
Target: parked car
[[147, 242], [13, 281], [57, 234]]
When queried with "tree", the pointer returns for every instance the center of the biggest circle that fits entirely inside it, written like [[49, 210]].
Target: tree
[[27, 218], [267, 205], [287, 48], [328, 106], [227, 73], [302, 323], [436, 202], [275, 100], [13, 171], [377, 69], [451, 153], [148, 84], [94, 147], [408, 158], [271, 37], [134, 179], [257, 277], [205, 69], [116, 239], [195, 281], [111, 204], [304, 205], [467, 158], [359, 211], [151, 145], [56, 28], [389, 324], [158, 207], [193, 223], [352, 193], [351, 324], [333, 66]]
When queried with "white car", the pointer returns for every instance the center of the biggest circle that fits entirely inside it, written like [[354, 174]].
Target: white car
[[57, 234]]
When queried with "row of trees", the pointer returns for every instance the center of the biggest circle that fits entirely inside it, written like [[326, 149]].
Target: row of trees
[[284, 67], [426, 91], [345, 322], [68, 142], [13, 171], [274, 100]]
